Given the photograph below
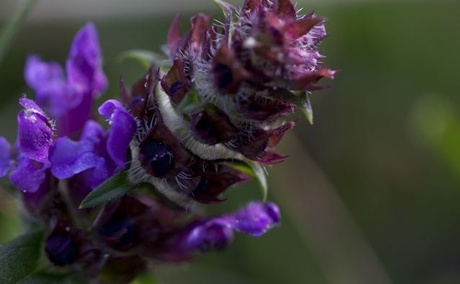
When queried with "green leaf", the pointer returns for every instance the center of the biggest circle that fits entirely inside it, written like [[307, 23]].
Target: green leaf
[[300, 99], [18, 258], [145, 57], [307, 109], [111, 189], [254, 170], [190, 103]]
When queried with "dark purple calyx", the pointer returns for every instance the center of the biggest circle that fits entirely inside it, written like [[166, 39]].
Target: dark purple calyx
[[176, 82], [212, 126], [213, 184], [227, 71], [156, 157], [62, 249], [119, 233], [138, 98], [262, 109]]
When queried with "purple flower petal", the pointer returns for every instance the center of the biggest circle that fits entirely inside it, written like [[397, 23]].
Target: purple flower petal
[[34, 132], [38, 72], [52, 89], [69, 157], [207, 235], [122, 128], [84, 66], [255, 219], [29, 175], [5, 164]]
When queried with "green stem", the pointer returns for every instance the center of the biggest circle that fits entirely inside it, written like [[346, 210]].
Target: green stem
[[12, 28]]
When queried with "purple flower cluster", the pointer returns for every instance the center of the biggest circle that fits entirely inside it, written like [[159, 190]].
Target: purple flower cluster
[[177, 135]]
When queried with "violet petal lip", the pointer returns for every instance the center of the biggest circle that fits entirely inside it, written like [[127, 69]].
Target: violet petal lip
[[52, 90], [5, 150], [29, 175], [122, 129], [34, 132], [255, 219], [84, 63], [69, 99]]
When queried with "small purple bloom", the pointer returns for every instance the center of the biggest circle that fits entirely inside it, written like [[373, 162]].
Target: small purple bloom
[[217, 233], [34, 141], [29, 174], [69, 99], [255, 219], [84, 64], [122, 128], [5, 151], [51, 87], [34, 132], [102, 151], [69, 157]]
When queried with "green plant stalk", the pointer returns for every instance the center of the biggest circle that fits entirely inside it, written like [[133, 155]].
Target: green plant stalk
[[12, 28]]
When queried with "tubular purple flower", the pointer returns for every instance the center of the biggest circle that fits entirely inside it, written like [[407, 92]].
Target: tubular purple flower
[[102, 151], [5, 157], [70, 99], [255, 219], [69, 157], [52, 90], [122, 129], [84, 63], [34, 141], [34, 132]]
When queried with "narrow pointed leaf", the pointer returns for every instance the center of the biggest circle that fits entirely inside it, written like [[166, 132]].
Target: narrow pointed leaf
[[254, 170], [144, 57], [307, 109], [111, 189]]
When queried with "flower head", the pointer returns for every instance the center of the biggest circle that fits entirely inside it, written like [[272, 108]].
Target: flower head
[[248, 73], [177, 139]]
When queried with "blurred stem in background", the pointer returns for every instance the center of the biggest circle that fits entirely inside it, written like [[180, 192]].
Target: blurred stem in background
[[12, 28], [435, 123], [328, 229]]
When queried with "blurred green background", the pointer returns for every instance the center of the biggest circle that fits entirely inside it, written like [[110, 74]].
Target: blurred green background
[[370, 192]]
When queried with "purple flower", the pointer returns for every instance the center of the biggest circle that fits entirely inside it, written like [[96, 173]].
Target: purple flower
[[104, 152], [34, 141], [217, 233], [5, 160], [69, 100]]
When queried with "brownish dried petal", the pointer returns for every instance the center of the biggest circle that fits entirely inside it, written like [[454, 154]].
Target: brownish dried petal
[[309, 79], [300, 27], [136, 100], [212, 126], [174, 38], [228, 72], [285, 9], [261, 109], [175, 82]]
